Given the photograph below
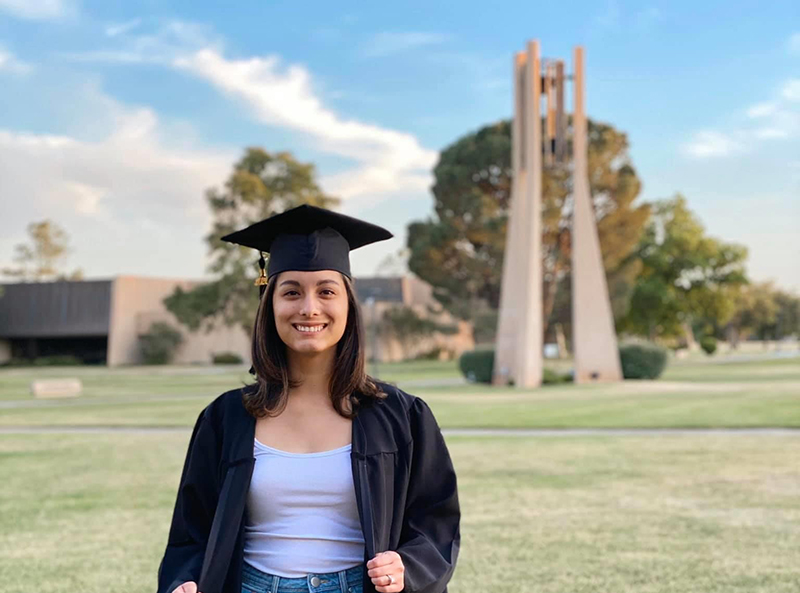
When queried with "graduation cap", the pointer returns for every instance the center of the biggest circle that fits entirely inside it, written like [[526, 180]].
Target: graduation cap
[[307, 238]]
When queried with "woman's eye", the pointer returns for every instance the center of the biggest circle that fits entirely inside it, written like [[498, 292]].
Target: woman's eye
[[326, 291]]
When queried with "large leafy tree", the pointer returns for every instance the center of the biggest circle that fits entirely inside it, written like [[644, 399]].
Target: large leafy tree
[[260, 185], [459, 250], [764, 311], [686, 277], [44, 256], [788, 318]]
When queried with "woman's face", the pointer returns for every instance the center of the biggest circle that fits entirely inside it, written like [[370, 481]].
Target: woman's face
[[310, 309]]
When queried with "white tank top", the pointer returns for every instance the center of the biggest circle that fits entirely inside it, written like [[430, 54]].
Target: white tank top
[[301, 513]]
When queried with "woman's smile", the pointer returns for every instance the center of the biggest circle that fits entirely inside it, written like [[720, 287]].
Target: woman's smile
[[307, 328], [311, 310]]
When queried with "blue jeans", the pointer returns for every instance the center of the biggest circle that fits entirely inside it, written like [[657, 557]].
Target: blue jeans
[[344, 581]]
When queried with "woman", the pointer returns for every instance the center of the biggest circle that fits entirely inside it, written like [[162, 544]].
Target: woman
[[317, 478]]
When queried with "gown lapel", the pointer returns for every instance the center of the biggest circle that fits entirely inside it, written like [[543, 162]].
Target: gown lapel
[[361, 483]]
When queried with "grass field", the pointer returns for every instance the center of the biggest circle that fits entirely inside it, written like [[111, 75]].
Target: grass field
[[702, 393], [90, 513], [646, 514]]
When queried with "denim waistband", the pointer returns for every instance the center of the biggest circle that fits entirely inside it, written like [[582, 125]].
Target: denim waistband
[[329, 582]]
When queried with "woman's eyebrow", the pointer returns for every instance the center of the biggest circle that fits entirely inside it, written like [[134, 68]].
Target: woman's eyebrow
[[296, 283]]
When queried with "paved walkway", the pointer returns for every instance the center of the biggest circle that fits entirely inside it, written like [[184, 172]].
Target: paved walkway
[[98, 401], [505, 432]]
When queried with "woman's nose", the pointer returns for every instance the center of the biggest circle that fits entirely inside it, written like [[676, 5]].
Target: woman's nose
[[309, 305]]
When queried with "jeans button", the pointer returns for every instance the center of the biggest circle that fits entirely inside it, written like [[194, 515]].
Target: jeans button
[[315, 581]]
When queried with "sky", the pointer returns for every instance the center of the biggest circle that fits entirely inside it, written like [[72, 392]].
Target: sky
[[116, 117]]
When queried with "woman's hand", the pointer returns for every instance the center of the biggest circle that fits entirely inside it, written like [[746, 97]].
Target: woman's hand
[[386, 571], [187, 587]]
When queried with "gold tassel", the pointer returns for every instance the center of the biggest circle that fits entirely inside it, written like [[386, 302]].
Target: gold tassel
[[262, 277]]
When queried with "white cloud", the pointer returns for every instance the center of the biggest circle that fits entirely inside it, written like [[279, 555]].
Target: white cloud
[[169, 41], [37, 9], [793, 45], [116, 29], [9, 63], [105, 192], [112, 56], [777, 118], [130, 166], [87, 197], [764, 109], [708, 143], [791, 90], [388, 160], [387, 43], [769, 133]]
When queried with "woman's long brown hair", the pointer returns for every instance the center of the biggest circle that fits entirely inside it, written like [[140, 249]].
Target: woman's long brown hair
[[349, 380]]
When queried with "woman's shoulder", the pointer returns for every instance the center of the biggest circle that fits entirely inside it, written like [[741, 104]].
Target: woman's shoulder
[[396, 399], [409, 409], [227, 407]]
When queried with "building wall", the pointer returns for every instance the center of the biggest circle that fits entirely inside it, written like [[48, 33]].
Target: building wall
[[5, 351], [137, 303], [418, 295], [390, 349], [123, 309], [61, 309]]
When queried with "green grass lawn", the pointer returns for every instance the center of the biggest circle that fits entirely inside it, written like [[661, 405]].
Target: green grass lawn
[[691, 394], [718, 513], [703, 513], [103, 382]]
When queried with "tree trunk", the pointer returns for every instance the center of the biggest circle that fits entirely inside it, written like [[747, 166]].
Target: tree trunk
[[561, 340], [688, 336], [733, 336], [548, 299]]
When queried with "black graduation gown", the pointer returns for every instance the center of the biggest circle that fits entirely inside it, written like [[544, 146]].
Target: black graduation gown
[[404, 480]]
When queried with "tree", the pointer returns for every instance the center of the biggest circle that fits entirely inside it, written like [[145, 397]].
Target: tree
[[44, 257], [159, 344], [766, 312], [405, 325], [686, 276], [460, 249], [261, 184], [788, 319]]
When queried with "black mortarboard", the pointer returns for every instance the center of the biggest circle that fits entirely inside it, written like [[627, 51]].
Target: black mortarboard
[[308, 238]]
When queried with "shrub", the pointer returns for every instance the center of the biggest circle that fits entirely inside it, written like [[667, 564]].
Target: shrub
[[708, 344], [484, 324], [477, 365], [56, 360], [226, 358], [436, 353], [551, 377], [405, 325], [643, 360], [159, 344]]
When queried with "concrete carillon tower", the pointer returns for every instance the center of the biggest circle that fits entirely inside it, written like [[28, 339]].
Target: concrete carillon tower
[[518, 356]]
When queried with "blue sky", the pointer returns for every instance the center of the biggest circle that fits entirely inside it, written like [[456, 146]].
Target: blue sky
[[116, 116]]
